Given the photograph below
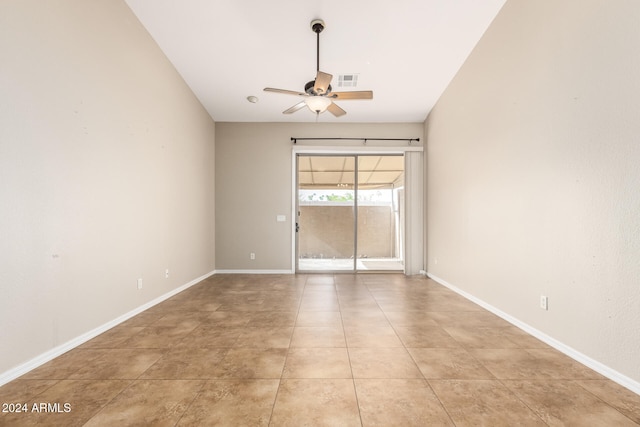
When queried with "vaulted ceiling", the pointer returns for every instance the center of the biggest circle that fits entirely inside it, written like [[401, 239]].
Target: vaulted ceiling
[[405, 51]]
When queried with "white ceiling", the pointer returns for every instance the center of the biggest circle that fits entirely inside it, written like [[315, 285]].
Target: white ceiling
[[405, 51]]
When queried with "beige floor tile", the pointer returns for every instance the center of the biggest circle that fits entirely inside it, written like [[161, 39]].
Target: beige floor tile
[[251, 363], [353, 290], [532, 364], [165, 307], [359, 303], [433, 302], [561, 403], [482, 337], [318, 336], [319, 318], [199, 304], [367, 318], [468, 319], [372, 336], [282, 349], [183, 319], [118, 364], [148, 402], [211, 336], [450, 302], [319, 292], [186, 363], [319, 304], [399, 402], [158, 336], [426, 336], [24, 389], [401, 304], [113, 338], [272, 318], [227, 319], [242, 305], [317, 363], [406, 318], [65, 365], [523, 339], [483, 403], [392, 362], [276, 337], [283, 305], [146, 318], [316, 402], [622, 399], [448, 363], [320, 280], [72, 402], [232, 403]]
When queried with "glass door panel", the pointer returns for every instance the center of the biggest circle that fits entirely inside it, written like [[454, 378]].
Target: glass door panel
[[326, 213], [379, 232]]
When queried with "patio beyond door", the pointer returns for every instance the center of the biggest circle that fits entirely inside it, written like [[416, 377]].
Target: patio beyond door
[[349, 215]]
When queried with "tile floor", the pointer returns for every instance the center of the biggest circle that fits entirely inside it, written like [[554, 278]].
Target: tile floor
[[362, 350]]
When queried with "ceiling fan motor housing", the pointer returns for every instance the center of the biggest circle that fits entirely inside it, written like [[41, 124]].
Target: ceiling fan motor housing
[[310, 89]]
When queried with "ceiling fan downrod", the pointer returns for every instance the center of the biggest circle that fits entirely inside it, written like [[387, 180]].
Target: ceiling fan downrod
[[317, 25]]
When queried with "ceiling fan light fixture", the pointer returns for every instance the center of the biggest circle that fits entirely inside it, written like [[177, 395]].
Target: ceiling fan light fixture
[[317, 104]]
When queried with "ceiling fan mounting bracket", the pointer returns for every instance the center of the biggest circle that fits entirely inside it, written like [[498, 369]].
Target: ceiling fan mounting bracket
[[317, 25]]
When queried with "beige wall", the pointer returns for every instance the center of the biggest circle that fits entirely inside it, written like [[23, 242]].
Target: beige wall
[[533, 178], [254, 185], [106, 173]]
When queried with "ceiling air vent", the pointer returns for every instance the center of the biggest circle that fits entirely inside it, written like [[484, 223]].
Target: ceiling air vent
[[347, 80]]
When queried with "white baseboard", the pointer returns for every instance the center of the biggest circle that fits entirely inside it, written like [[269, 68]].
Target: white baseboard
[[254, 272], [45, 357], [602, 369]]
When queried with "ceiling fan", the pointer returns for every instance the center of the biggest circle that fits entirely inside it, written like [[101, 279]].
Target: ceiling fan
[[318, 94]]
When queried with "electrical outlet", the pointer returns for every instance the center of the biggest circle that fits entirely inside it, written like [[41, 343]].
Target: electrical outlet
[[544, 302], [252, 256], [166, 273], [139, 283]]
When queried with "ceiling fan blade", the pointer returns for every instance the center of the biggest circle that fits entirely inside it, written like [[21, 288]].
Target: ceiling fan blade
[[323, 80], [358, 94], [286, 92], [335, 110], [295, 108]]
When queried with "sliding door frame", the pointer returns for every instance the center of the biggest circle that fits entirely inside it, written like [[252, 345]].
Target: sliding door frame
[[414, 212]]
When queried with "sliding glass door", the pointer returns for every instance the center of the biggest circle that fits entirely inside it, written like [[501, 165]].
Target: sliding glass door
[[379, 202], [349, 215]]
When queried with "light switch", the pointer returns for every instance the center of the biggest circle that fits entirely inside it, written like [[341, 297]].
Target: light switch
[[281, 218]]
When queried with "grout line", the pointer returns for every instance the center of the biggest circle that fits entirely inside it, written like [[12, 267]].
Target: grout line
[[275, 399], [346, 343]]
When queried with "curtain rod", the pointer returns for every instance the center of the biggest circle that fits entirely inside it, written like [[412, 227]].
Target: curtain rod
[[409, 140]]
